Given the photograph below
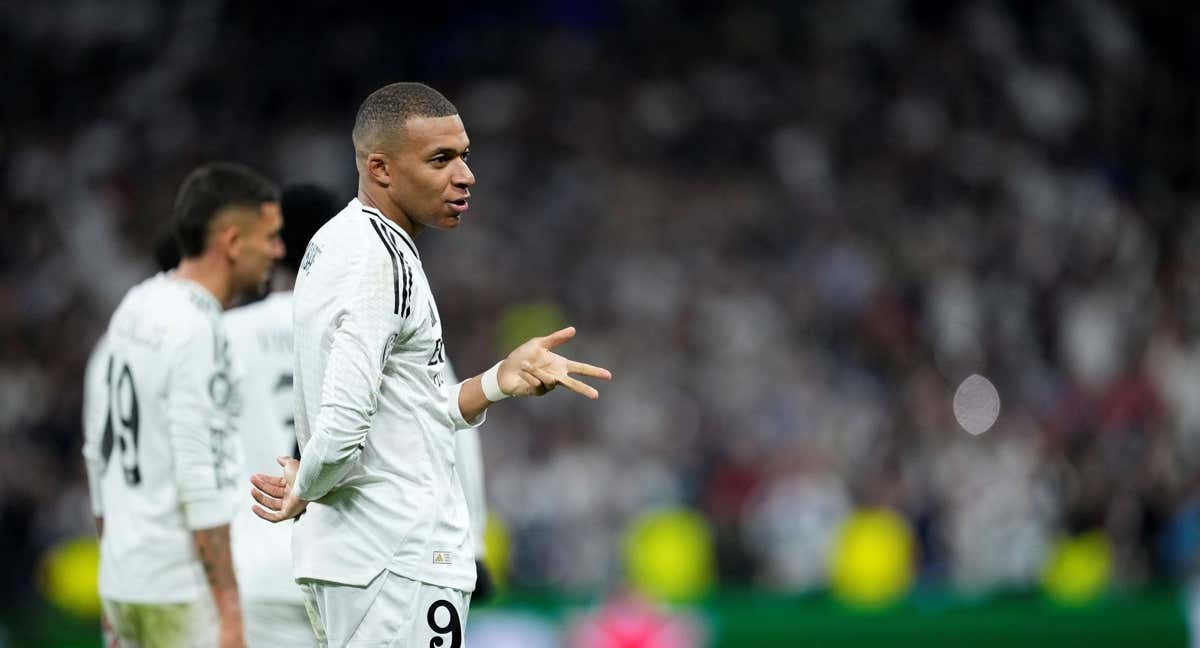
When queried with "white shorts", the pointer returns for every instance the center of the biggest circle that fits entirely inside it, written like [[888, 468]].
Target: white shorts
[[269, 624], [172, 625], [391, 611]]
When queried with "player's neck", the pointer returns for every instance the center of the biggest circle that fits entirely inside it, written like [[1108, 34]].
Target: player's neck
[[210, 275], [380, 202]]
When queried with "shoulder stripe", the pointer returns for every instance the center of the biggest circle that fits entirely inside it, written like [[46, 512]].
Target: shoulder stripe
[[395, 271], [399, 232], [407, 280]]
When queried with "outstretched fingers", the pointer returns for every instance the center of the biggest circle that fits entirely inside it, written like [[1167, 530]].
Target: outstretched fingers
[[558, 337], [585, 369], [579, 387], [550, 380]]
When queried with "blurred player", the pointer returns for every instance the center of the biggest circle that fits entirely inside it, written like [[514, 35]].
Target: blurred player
[[95, 407], [383, 552], [260, 340], [164, 471]]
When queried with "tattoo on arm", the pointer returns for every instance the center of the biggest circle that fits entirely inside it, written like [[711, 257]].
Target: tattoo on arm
[[212, 545]]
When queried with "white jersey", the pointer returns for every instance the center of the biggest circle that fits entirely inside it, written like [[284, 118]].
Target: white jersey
[[95, 415], [375, 419], [260, 338], [167, 461]]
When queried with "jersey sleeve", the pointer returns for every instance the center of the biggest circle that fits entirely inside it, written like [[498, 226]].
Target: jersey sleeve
[[365, 329], [95, 413], [455, 411], [198, 381]]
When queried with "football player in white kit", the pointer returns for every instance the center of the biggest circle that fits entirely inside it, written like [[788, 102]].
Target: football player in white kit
[[382, 549], [167, 457], [96, 414], [260, 341], [260, 338]]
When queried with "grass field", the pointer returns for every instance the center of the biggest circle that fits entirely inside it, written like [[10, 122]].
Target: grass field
[[1151, 617]]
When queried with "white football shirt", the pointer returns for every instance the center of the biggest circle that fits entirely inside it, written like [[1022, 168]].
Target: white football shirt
[[167, 461], [95, 413], [375, 418], [260, 338]]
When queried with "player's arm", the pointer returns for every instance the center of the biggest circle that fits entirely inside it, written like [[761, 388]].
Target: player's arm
[[213, 548], [95, 413], [349, 395], [195, 382], [532, 369]]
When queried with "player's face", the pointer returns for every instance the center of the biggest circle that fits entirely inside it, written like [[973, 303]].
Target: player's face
[[257, 247], [431, 182]]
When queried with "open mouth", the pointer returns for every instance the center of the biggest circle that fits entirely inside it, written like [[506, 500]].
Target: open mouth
[[459, 206]]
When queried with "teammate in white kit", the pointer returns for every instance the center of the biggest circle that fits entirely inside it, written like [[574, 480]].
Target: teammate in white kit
[[96, 410], [167, 460], [260, 340], [383, 550]]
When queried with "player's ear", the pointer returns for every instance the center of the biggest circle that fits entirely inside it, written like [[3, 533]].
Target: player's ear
[[228, 237], [378, 168]]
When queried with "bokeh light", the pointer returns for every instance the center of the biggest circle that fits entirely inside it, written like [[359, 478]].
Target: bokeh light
[[873, 560], [1080, 568], [669, 555], [70, 572]]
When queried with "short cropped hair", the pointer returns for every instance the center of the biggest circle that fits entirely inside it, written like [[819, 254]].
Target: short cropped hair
[[386, 110], [166, 250], [209, 189], [305, 209]]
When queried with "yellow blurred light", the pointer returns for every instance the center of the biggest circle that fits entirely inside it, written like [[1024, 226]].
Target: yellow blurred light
[[524, 321], [669, 555], [873, 560], [498, 544], [1080, 568], [69, 575]]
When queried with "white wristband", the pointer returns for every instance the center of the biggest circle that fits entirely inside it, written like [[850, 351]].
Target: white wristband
[[491, 384]]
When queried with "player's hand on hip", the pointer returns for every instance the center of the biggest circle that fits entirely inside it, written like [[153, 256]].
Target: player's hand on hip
[[277, 495], [533, 369]]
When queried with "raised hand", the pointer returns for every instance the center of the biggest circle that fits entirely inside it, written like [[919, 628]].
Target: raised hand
[[532, 369], [276, 494]]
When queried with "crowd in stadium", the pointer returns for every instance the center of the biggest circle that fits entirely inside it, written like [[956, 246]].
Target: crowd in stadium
[[790, 234]]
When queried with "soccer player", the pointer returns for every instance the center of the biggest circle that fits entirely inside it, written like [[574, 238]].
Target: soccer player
[[260, 340], [95, 408], [383, 550], [166, 462]]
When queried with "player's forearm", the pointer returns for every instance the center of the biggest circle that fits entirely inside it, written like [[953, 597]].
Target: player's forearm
[[99, 526], [331, 452], [471, 401], [212, 546]]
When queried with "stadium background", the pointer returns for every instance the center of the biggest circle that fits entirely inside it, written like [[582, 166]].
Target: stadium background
[[791, 229]]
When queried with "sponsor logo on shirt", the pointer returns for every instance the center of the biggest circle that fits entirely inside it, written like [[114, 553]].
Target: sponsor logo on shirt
[[443, 558], [310, 255]]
